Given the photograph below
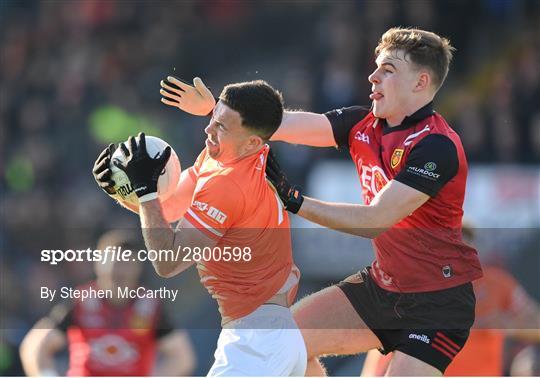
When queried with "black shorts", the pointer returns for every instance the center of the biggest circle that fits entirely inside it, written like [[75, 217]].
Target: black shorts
[[431, 326]]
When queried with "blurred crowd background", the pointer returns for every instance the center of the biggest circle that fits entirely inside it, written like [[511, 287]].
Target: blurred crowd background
[[77, 75]]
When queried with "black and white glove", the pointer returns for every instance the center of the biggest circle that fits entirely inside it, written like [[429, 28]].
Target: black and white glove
[[102, 172], [142, 170], [290, 195]]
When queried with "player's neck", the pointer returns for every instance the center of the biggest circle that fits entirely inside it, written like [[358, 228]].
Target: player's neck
[[243, 156], [410, 109]]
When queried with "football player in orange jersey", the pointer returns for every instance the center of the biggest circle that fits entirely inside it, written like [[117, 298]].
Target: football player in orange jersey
[[503, 309], [233, 226], [110, 336]]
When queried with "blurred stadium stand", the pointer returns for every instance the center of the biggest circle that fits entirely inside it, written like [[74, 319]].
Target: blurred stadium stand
[[77, 75]]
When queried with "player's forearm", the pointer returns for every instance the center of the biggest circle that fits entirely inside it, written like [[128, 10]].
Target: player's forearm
[[310, 129], [360, 220], [158, 235]]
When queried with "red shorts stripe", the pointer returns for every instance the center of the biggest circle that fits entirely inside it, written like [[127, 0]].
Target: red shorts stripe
[[443, 351], [445, 338], [442, 344]]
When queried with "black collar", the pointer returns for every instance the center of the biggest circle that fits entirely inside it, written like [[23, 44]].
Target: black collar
[[411, 120]]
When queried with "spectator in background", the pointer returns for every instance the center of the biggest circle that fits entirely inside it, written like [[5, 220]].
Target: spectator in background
[[503, 309], [109, 337]]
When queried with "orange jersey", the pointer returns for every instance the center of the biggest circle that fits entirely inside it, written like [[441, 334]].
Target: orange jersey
[[496, 295], [234, 204]]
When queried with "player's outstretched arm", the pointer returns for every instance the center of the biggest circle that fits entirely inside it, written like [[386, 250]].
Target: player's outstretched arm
[[393, 203], [309, 129], [38, 348], [194, 99]]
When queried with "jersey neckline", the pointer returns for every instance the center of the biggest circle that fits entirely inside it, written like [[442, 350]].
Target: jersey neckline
[[413, 119]]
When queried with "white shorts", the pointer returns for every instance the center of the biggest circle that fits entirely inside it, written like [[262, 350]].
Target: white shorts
[[266, 342]]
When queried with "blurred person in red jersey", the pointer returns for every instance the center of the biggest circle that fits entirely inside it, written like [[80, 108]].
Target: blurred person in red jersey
[[503, 309], [113, 336]]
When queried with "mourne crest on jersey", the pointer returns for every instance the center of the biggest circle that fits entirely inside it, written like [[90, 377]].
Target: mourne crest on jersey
[[396, 157]]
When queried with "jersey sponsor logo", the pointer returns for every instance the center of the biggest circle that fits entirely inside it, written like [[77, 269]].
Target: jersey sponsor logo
[[396, 157], [430, 166], [422, 337], [202, 206], [361, 137], [410, 138], [125, 190], [112, 350], [426, 172], [373, 178], [216, 214]]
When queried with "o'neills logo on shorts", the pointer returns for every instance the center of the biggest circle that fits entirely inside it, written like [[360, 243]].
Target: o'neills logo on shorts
[[422, 337]]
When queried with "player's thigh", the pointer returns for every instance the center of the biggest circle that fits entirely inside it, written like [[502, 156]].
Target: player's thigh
[[330, 324], [404, 365]]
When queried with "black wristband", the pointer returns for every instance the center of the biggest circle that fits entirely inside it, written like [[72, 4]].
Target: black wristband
[[295, 199]]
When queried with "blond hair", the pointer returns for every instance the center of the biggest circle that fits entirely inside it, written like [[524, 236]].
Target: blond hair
[[425, 49]]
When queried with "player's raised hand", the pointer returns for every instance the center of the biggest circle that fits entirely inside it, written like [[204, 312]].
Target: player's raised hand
[[142, 170], [290, 195], [195, 99], [102, 172]]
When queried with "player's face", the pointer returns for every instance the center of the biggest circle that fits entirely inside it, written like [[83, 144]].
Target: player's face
[[227, 139], [394, 83]]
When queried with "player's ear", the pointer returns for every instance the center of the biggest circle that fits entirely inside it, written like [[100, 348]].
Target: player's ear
[[255, 142], [423, 81]]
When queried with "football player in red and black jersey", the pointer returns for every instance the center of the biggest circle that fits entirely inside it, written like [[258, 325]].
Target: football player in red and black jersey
[[416, 299], [112, 336]]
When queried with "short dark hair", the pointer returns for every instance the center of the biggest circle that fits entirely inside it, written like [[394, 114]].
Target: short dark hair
[[424, 48], [259, 105]]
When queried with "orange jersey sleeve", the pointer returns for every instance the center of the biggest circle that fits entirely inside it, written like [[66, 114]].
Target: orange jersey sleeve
[[217, 204]]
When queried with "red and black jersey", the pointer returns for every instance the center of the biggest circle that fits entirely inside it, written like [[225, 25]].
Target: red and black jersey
[[424, 251], [109, 340]]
